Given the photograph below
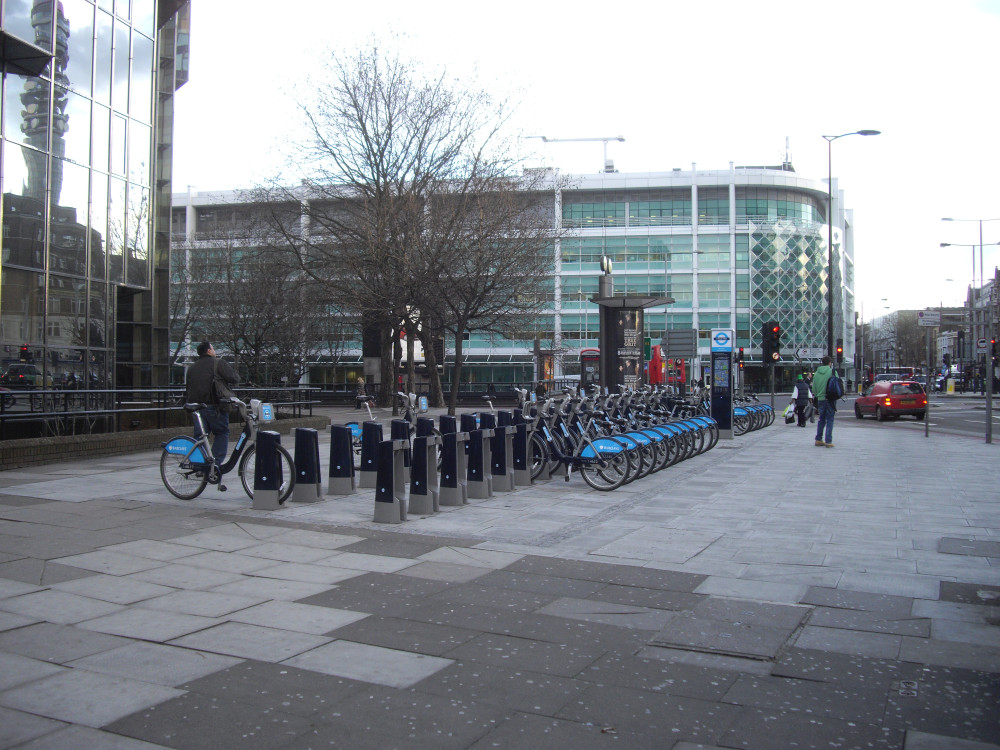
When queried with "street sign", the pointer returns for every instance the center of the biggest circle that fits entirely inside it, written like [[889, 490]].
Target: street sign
[[929, 318], [680, 343], [809, 352], [722, 340], [981, 345]]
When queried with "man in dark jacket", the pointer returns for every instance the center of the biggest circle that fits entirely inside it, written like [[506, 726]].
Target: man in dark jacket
[[199, 391]]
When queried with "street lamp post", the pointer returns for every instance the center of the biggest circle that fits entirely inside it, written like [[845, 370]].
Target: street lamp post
[[829, 230], [988, 323]]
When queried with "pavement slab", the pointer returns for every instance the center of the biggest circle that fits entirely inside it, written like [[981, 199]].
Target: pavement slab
[[685, 610]]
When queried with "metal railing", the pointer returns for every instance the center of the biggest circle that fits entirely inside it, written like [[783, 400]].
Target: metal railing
[[47, 412]]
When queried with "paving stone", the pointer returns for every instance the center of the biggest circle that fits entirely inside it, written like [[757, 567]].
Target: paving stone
[[624, 575], [155, 663], [10, 621], [539, 584], [112, 563], [947, 701], [405, 635], [758, 729], [890, 607], [621, 615], [860, 643], [148, 624], [522, 653], [301, 618], [642, 597], [114, 589], [925, 741], [844, 669], [251, 641], [155, 550], [58, 606], [185, 576], [870, 621], [742, 611], [40, 572], [970, 593], [395, 547], [383, 718], [506, 688], [202, 603], [301, 692], [687, 630], [370, 563], [325, 574], [470, 556], [472, 594], [387, 595], [20, 726], [83, 697], [10, 588], [17, 670], [956, 546], [524, 730], [436, 571], [75, 737], [272, 588], [221, 539], [360, 661], [229, 562], [200, 722], [656, 717], [285, 552], [850, 702], [57, 643], [660, 676], [314, 538]]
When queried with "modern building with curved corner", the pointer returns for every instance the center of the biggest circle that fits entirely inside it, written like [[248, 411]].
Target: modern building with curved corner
[[87, 129], [734, 248]]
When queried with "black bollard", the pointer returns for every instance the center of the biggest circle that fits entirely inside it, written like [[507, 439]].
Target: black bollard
[[390, 489], [371, 436], [342, 480], [267, 477], [308, 478]]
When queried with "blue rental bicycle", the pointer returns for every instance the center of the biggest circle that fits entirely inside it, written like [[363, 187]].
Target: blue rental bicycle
[[187, 465]]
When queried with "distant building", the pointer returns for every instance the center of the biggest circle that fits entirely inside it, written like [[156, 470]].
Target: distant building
[[87, 131], [735, 248]]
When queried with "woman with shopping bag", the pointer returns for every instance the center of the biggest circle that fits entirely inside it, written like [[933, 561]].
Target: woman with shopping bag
[[802, 396]]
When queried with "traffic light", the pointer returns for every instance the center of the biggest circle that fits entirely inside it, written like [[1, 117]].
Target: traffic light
[[739, 357], [766, 343], [993, 350], [772, 349], [840, 351], [947, 359]]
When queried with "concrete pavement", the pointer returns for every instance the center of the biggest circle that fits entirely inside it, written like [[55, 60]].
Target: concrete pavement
[[766, 594]]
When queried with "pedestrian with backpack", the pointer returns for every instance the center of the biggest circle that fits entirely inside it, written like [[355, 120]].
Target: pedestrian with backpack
[[827, 406]]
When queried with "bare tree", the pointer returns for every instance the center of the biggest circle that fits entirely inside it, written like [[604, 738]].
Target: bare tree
[[408, 198]]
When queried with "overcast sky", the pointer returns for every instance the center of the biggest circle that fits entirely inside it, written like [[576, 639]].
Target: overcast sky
[[684, 82]]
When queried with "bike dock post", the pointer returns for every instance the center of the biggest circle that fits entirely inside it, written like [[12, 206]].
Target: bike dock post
[[342, 480], [371, 437], [519, 450], [425, 498], [454, 489], [267, 472], [399, 429], [478, 475], [501, 450], [390, 487], [308, 482]]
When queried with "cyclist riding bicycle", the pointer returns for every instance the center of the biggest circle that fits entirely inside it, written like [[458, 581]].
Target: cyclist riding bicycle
[[199, 391]]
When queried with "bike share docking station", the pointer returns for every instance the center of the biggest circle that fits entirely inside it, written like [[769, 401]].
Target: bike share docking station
[[342, 479], [308, 482], [722, 381]]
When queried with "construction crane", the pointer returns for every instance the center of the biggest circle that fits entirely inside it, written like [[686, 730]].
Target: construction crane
[[609, 166]]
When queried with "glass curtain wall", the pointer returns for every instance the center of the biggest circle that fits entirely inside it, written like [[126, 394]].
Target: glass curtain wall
[[77, 178]]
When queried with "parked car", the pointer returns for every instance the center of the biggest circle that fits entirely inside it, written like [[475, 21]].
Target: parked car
[[885, 399], [20, 376]]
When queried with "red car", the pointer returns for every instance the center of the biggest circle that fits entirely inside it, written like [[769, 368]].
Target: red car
[[892, 398]]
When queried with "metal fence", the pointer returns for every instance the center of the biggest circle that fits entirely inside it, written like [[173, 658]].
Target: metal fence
[[47, 412]]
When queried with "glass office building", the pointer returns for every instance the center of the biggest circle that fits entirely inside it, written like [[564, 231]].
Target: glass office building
[[734, 248], [85, 162]]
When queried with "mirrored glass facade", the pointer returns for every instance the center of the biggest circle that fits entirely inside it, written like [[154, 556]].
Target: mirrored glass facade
[[85, 142]]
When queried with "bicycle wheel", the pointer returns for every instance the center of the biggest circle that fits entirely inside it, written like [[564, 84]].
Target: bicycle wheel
[[248, 464], [614, 471], [184, 482], [538, 454]]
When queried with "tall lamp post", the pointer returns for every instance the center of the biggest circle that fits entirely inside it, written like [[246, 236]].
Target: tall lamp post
[[829, 230], [988, 323]]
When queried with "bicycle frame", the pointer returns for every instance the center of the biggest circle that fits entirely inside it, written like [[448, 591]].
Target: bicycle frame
[[199, 452]]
